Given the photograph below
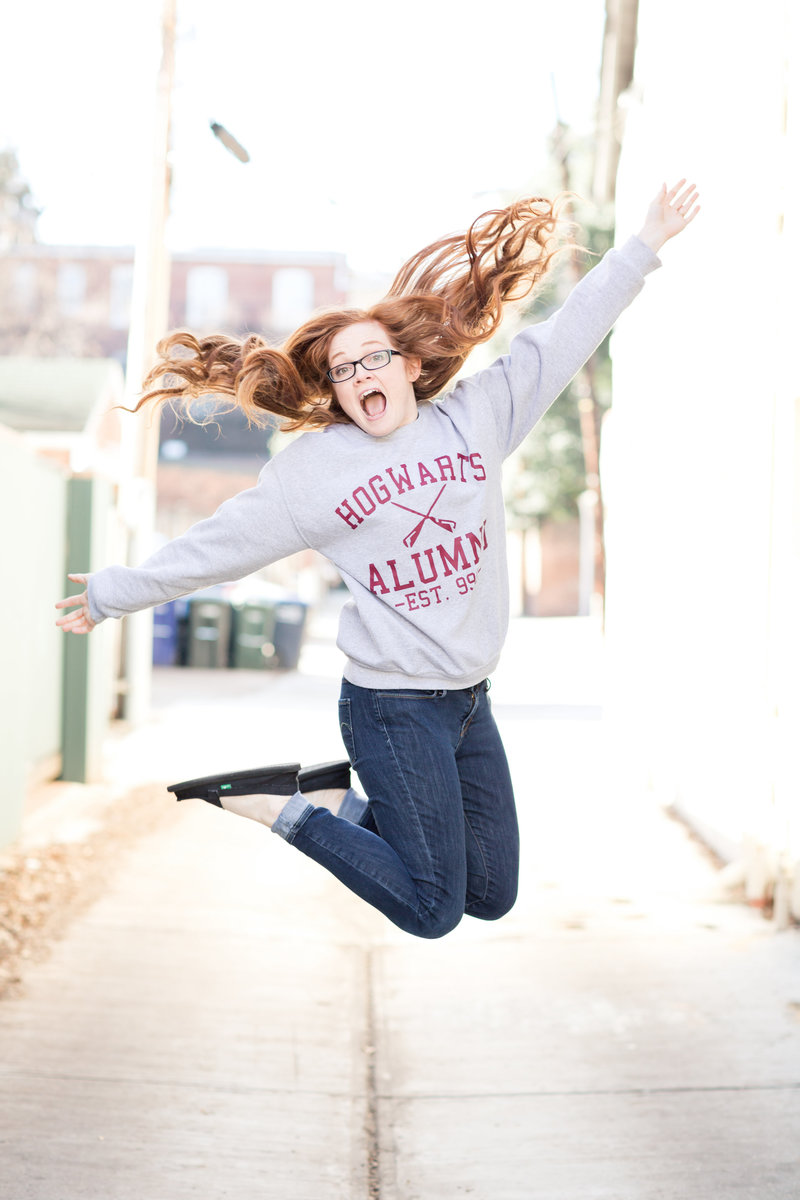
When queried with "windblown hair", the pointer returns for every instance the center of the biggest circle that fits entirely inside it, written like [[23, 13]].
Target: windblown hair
[[444, 301]]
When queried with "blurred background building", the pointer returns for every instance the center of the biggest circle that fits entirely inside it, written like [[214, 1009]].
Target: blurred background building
[[63, 307], [76, 300]]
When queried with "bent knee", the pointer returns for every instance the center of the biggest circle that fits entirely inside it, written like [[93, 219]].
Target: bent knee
[[493, 907], [434, 923]]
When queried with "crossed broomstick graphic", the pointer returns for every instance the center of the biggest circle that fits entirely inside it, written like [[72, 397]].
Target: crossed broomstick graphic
[[411, 538]]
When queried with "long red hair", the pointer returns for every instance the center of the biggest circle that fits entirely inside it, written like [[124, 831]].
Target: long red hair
[[444, 301]]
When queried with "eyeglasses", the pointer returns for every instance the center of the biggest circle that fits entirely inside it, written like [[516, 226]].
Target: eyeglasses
[[370, 362]]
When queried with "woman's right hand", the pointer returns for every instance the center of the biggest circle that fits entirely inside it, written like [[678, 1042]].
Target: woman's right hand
[[80, 621]]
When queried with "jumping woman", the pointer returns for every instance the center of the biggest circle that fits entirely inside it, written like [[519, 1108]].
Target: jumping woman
[[399, 486]]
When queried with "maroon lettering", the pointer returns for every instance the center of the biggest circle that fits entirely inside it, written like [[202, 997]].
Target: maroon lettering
[[445, 464], [423, 578], [421, 599], [398, 586], [405, 478], [475, 545], [376, 583], [456, 561], [379, 489], [367, 505], [478, 541], [425, 476], [349, 515], [365, 498]]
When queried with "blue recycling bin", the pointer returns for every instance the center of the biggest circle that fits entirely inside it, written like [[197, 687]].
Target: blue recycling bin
[[167, 620]]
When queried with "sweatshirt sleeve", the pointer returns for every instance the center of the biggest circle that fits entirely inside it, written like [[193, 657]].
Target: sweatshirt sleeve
[[543, 358], [246, 533]]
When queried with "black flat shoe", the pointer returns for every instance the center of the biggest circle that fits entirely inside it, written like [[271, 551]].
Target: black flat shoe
[[280, 780], [324, 775]]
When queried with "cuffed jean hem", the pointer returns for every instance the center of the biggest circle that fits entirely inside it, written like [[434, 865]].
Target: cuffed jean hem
[[353, 807], [293, 814]]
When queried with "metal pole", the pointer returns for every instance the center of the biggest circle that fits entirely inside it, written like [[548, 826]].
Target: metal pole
[[149, 318]]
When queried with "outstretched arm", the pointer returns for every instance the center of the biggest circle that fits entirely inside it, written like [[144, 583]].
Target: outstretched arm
[[80, 621], [247, 532], [669, 214], [545, 356]]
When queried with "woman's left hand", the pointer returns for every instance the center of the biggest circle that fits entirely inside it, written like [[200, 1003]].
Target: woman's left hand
[[669, 214]]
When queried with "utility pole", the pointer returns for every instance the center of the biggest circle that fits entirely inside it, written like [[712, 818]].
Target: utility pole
[[589, 415], [149, 318]]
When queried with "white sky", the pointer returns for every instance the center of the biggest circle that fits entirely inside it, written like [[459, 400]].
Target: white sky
[[372, 128]]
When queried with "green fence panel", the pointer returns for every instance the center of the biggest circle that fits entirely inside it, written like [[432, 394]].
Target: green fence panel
[[86, 676]]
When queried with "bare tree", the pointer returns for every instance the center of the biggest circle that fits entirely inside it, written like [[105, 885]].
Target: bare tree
[[18, 213]]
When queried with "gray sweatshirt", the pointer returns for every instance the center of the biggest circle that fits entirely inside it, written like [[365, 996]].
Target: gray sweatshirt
[[414, 521]]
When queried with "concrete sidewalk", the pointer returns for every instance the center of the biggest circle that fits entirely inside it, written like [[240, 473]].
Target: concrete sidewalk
[[228, 1021]]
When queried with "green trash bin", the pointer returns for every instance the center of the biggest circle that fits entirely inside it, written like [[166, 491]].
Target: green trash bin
[[290, 624], [209, 638], [253, 646]]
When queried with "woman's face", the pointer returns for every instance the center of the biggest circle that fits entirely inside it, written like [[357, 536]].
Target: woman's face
[[378, 400]]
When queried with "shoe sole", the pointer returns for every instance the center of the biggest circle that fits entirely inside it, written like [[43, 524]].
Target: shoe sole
[[281, 780]]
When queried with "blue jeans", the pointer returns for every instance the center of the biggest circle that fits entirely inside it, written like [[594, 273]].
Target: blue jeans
[[440, 836]]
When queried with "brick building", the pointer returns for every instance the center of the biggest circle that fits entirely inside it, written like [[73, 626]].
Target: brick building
[[75, 300]]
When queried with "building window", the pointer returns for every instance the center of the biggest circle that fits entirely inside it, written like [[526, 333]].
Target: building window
[[292, 297], [206, 297], [71, 288], [25, 287], [120, 291]]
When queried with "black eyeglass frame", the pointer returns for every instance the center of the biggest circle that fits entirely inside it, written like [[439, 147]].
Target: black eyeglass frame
[[359, 362]]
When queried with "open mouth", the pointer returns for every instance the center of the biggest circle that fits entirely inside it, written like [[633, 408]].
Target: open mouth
[[373, 403]]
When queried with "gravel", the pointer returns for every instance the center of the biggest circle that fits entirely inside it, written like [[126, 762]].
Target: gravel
[[43, 889]]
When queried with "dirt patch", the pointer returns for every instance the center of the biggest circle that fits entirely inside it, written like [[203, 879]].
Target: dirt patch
[[43, 889]]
